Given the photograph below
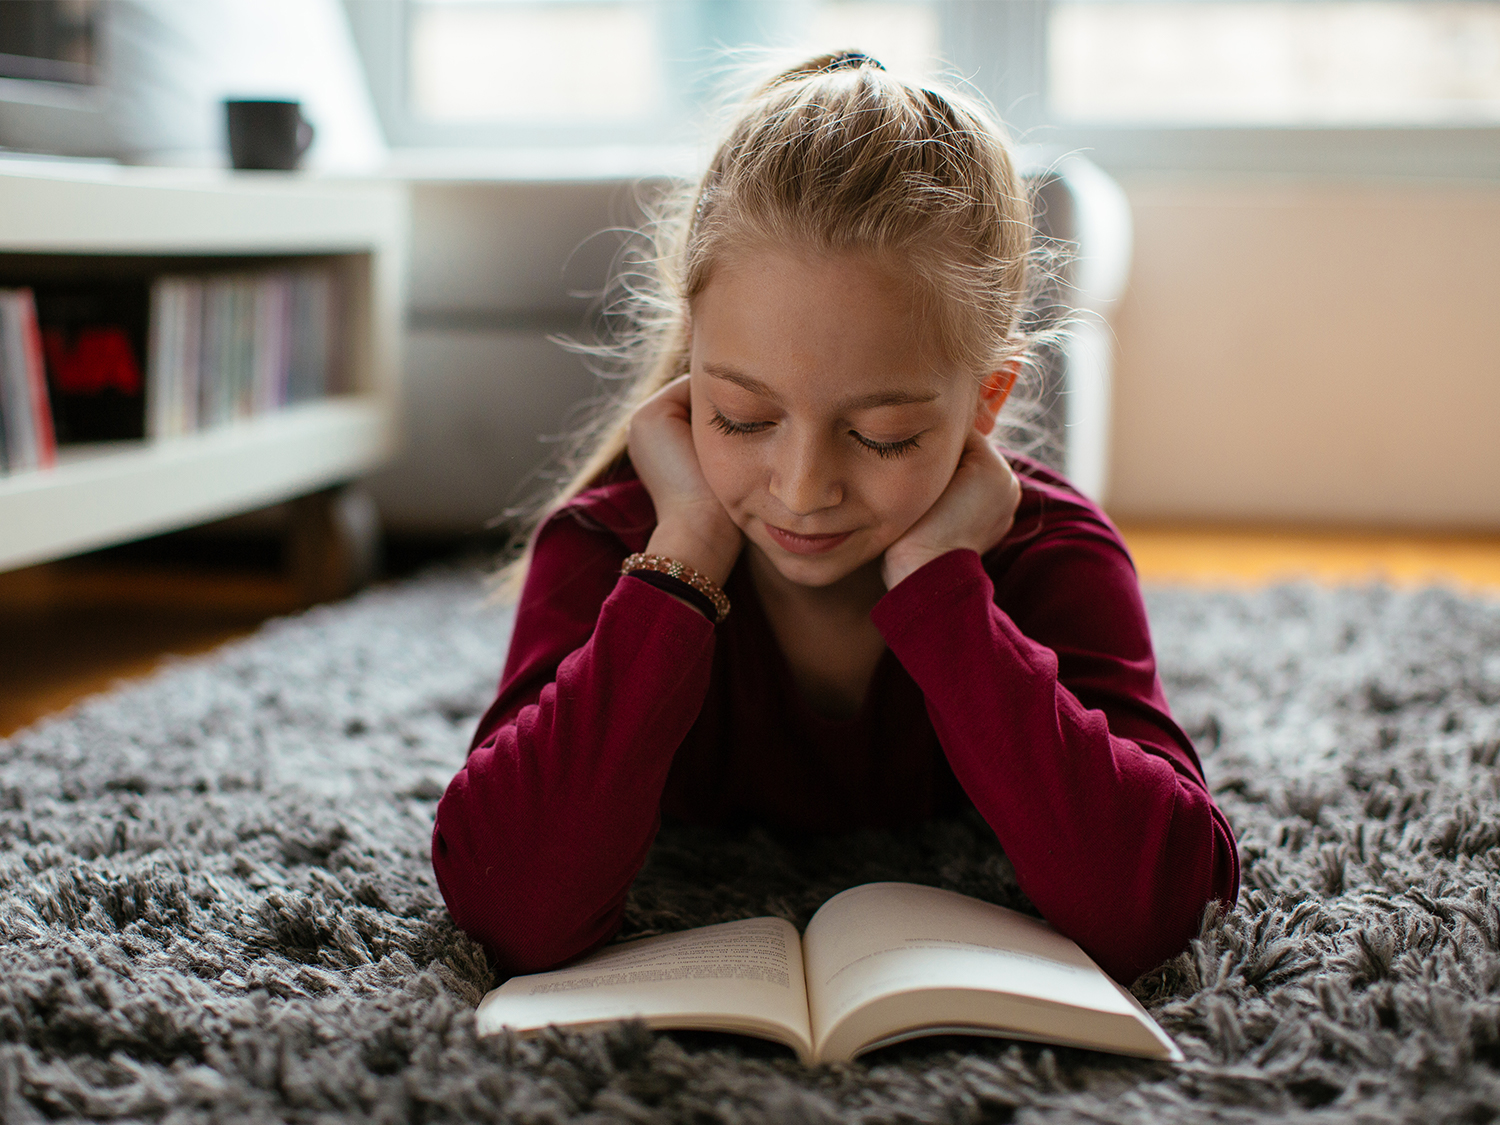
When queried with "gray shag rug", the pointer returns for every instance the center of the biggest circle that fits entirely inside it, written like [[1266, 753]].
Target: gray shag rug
[[216, 904]]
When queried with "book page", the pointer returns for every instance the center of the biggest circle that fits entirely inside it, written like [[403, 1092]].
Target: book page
[[888, 958], [741, 976]]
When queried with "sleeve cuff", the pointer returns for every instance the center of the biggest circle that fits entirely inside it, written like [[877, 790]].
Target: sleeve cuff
[[955, 577], [638, 598]]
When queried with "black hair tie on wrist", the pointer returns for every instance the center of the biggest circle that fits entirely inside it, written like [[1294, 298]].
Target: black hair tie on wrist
[[665, 582]]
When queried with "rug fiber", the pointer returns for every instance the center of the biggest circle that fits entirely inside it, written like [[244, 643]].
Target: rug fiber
[[216, 903]]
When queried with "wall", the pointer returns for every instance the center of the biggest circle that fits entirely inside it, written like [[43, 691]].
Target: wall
[[1310, 352]]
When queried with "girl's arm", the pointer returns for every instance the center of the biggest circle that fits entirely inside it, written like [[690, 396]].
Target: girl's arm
[[1054, 722], [542, 832], [540, 835]]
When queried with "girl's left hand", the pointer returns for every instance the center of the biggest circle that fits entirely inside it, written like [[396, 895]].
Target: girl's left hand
[[974, 511]]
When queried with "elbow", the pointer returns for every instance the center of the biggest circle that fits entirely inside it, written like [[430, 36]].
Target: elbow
[[1162, 938], [1197, 883], [1193, 881], [503, 896]]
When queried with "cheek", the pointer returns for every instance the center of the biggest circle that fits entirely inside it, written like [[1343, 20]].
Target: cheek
[[723, 466], [908, 487], [708, 446], [909, 494]]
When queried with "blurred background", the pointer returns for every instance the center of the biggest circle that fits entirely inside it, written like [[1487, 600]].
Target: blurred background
[[1286, 216], [1311, 303]]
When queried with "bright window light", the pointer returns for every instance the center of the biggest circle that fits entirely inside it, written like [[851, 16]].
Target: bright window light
[[474, 62], [904, 37], [580, 62], [1274, 62]]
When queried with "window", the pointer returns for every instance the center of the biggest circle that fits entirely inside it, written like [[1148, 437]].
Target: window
[[580, 61], [580, 72], [1315, 62], [1342, 86], [515, 63]]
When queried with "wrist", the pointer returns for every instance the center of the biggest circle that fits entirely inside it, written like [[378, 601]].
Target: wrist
[[711, 553], [679, 582], [897, 566]]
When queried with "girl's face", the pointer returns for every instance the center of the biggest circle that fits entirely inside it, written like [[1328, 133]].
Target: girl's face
[[823, 421]]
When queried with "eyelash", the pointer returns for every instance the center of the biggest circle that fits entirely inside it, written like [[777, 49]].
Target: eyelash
[[881, 449], [884, 449], [724, 425]]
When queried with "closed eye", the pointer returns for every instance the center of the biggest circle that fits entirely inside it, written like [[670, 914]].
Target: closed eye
[[729, 426], [886, 448], [882, 449]]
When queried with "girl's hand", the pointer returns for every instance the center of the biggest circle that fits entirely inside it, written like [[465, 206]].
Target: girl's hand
[[691, 525], [974, 511]]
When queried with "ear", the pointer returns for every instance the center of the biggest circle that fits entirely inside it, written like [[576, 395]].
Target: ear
[[993, 392]]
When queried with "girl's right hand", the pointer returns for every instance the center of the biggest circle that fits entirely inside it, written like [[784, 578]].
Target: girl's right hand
[[691, 525]]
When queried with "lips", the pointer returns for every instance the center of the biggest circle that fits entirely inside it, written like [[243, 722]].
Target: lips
[[805, 544]]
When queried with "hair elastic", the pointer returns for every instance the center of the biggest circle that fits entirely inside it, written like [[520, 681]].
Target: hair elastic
[[641, 565], [852, 60]]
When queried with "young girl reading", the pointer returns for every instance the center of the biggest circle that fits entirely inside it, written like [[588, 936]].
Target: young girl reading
[[797, 585]]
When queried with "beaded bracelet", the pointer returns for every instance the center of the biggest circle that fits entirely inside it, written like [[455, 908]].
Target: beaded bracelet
[[682, 573]]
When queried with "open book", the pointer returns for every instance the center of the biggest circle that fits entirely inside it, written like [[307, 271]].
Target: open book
[[878, 964]]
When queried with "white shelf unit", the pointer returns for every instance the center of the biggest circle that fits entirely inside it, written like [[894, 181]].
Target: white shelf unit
[[81, 221]]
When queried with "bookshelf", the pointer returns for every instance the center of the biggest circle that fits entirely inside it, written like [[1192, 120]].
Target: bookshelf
[[77, 222]]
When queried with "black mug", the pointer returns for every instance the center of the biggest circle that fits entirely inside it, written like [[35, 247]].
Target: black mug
[[266, 134]]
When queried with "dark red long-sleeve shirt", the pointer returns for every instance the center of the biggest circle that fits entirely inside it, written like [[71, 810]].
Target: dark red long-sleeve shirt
[[1023, 682]]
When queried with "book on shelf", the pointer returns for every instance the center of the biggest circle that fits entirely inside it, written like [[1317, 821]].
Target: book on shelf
[[236, 345], [27, 439], [102, 360], [94, 348], [877, 965]]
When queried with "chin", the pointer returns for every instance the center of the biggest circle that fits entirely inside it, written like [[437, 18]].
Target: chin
[[815, 576], [813, 571]]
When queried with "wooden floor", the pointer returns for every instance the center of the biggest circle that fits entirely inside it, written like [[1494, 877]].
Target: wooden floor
[[69, 629], [1253, 556], [72, 628]]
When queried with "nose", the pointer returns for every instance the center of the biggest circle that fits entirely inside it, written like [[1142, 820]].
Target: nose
[[804, 476]]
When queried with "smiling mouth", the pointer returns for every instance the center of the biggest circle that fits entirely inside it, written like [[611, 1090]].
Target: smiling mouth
[[805, 544]]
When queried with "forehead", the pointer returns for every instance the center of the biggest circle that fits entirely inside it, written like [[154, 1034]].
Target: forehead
[[784, 316]]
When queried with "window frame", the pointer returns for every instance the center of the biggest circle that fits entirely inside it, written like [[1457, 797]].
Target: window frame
[[999, 47]]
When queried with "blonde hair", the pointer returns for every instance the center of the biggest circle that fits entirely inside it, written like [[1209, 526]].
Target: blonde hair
[[837, 155]]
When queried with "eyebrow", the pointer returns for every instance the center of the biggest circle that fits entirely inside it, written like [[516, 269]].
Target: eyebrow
[[862, 402]]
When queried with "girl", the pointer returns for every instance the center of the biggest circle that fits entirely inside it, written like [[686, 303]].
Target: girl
[[797, 584]]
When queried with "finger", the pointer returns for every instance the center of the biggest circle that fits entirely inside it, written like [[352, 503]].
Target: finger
[[675, 391], [671, 401], [978, 450], [676, 397], [678, 393]]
